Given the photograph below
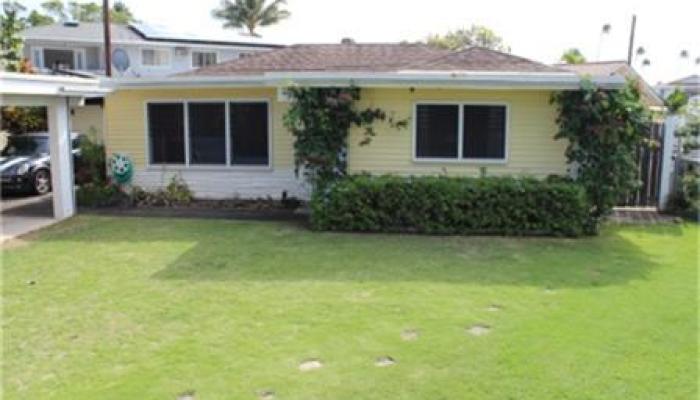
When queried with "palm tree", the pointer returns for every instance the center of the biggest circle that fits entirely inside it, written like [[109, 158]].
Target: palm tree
[[250, 14]]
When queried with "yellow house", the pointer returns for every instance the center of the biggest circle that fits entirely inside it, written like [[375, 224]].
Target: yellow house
[[221, 127]]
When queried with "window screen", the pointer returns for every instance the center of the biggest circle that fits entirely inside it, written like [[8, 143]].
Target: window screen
[[249, 129], [166, 131], [484, 131], [155, 57], [437, 131], [207, 123], [202, 59]]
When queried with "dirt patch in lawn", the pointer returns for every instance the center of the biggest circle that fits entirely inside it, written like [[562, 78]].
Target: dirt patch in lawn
[[409, 335], [494, 308]]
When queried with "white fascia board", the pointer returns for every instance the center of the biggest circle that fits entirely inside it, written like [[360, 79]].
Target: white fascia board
[[48, 85], [466, 80], [142, 43], [183, 82]]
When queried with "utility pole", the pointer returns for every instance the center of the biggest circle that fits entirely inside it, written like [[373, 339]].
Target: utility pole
[[631, 48], [107, 39]]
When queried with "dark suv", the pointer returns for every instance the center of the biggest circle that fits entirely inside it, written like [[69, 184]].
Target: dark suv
[[24, 162]]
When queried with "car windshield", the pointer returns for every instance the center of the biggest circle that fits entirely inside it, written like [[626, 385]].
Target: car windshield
[[26, 146]]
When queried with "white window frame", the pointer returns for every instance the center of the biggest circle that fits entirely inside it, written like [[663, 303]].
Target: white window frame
[[460, 134], [169, 52], [216, 54], [78, 54], [38, 56], [209, 167]]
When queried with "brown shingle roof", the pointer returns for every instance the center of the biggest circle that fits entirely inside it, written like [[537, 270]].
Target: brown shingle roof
[[620, 68], [482, 59], [375, 57]]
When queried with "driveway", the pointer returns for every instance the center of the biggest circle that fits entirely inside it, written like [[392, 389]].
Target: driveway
[[24, 214]]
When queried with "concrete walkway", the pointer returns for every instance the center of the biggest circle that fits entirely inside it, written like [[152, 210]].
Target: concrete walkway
[[21, 215]]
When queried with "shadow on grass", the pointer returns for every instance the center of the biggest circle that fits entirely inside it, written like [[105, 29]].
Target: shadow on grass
[[286, 251]]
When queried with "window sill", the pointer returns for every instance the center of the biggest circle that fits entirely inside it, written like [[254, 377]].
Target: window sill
[[208, 168], [461, 161]]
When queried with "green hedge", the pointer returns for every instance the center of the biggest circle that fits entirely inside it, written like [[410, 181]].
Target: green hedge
[[446, 205]]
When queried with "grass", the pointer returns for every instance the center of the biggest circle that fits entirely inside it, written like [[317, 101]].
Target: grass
[[148, 308]]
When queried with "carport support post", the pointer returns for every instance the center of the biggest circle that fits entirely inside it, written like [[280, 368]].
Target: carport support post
[[62, 181]]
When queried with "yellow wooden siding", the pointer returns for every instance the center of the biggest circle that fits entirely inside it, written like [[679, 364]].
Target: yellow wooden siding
[[88, 121], [531, 150], [125, 119]]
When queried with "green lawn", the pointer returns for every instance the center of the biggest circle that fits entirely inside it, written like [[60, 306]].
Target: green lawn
[[149, 308]]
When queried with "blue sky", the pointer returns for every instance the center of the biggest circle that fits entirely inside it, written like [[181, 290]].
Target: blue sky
[[537, 29]]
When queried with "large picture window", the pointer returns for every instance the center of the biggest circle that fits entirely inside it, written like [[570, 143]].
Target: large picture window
[[166, 131], [461, 132], [209, 133]]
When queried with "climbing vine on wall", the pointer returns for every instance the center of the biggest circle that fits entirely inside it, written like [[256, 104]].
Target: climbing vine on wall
[[605, 129], [320, 120]]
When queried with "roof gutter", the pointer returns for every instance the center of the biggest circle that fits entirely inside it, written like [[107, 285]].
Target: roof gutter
[[434, 79]]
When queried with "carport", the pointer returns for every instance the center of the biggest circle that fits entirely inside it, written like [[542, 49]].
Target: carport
[[57, 93]]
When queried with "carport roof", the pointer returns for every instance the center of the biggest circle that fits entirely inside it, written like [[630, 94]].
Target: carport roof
[[13, 83]]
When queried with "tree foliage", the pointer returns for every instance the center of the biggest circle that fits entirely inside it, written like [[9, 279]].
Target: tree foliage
[[250, 14], [573, 56], [11, 43], [35, 18], [605, 129], [320, 120], [84, 12], [676, 100], [19, 120], [460, 39]]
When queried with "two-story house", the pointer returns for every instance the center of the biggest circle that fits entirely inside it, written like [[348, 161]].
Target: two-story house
[[137, 50]]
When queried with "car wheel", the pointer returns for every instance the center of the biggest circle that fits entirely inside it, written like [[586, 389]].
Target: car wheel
[[42, 181]]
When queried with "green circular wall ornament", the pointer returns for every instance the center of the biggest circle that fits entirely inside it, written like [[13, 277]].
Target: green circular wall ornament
[[122, 168]]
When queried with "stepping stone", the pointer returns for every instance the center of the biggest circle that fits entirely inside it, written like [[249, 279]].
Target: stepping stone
[[310, 365], [494, 308], [409, 335], [384, 361], [186, 395], [479, 330], [266, 394]]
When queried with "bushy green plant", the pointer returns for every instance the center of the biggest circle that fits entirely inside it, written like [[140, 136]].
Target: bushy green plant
[[604, 129], [91, 166], [93, 195], [676, 100], [451, 205]]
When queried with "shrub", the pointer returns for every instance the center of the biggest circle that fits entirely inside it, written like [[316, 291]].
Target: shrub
[[91, 165], [177, 193], [94, 195], [444, 205]]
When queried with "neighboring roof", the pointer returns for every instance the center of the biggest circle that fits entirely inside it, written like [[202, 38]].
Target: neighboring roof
[[134, 33], [616, 68], [372, 57], [692, 80]]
